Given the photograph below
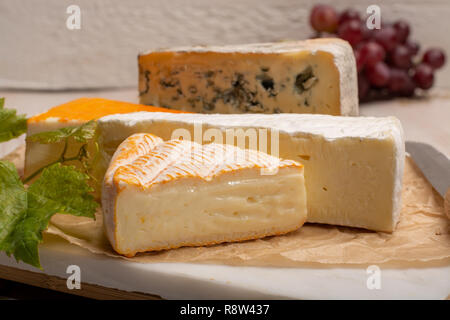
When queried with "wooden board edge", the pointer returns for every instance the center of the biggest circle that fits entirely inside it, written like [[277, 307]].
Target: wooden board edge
[[56, 283]]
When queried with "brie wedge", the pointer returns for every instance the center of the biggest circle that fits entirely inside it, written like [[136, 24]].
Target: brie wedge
[[353, 165], [162, 195], [312, 76]]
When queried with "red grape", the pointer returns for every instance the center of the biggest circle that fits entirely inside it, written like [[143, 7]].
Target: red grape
[[378, 74], [402, 29], [324, 18], [384, 57], [401, 57], [398, 80], [408, 88], [359, 61], [349, 14], [351, 31], [363, 86], [386, 37], [366, 32], [413, 47], [359, 45], [423, 76], [435, 58], [372, 52]]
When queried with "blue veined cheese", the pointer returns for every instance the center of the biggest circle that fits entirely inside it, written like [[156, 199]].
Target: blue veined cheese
[[312, 76], [353, 165], [168, 194]]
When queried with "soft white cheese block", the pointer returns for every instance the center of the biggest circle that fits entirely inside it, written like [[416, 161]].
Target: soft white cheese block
[[353, 165], [312, 76], [162, 195]]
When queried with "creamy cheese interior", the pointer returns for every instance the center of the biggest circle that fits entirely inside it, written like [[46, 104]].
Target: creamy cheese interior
[[236, 206]]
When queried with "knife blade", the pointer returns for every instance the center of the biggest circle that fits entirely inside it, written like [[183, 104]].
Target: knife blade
[[434, 164]]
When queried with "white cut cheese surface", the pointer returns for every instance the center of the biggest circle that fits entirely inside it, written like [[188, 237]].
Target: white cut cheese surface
[[161, 195], [312, 76], [353, 165], [38, 155]]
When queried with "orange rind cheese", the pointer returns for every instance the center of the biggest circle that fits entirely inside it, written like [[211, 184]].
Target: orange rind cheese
[[86, 109], [73, 113], [160, 195]]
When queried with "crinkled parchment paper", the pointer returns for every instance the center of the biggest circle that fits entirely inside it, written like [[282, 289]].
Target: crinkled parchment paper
[[423, 234]]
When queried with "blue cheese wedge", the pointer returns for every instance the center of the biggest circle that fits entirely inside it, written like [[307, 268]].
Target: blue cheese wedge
[[312, 76], [161, 195], [353, 165]]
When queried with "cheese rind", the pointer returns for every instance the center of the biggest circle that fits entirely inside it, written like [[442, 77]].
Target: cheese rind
[[73, 113], [353, 165], [161, 195], [313, 76]]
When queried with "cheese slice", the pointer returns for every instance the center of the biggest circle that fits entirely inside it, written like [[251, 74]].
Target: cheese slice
[[73, 113], [162, 195], [353, 165], [312, 76]]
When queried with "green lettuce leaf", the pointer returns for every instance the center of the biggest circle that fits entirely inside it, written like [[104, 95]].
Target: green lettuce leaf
[[11, 124], [25, 213], [81, 134]]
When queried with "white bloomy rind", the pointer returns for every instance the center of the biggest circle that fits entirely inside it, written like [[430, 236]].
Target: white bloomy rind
[[329, 127], [353, 165]]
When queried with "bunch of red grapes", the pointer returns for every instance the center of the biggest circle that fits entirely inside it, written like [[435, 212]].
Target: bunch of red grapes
[[386, 60]]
